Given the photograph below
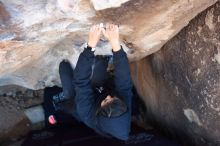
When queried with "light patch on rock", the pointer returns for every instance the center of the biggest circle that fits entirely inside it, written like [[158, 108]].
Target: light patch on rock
[[217, 109], [210, 102], [125, 29], [198, 71], [188, 80], [35, 114], [209, 20], [177, 91], [199, 30], [203, 62], [68, 5], [217, 57], [150, 41], [104, 4], [192, 116]]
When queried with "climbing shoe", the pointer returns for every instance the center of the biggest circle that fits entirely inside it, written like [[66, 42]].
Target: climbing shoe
[[58, 98]]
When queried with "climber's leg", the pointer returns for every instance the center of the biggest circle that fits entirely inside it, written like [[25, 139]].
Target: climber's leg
[[66, 77]]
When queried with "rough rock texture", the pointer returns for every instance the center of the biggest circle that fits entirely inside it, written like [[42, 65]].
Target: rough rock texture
[[36, 35], [13, 101], [180, 84]]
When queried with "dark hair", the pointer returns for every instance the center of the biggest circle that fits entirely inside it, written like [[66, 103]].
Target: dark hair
[[114, 109]]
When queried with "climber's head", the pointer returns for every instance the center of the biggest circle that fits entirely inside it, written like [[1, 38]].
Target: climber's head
[[112, 106]]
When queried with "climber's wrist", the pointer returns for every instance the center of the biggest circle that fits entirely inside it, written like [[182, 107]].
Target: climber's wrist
[[92, 44], [116, 46]]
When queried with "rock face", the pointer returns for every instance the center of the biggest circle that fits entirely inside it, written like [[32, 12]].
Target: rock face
[[180, 84], [36, 35], [13, 101]]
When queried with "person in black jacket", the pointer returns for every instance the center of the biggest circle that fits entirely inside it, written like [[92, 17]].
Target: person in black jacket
[[105, 109]]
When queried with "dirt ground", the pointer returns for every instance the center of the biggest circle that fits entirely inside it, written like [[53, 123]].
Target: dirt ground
[[13, 122]]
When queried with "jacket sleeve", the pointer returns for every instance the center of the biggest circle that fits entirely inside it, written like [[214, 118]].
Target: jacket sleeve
[[123, 86], [85, 99], [122, 77]]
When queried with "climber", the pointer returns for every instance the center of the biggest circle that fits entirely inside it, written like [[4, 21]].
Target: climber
[[102, 105]]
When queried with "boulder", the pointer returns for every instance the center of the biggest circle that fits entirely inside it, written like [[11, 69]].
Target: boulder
[[180, 84], [36, 35]]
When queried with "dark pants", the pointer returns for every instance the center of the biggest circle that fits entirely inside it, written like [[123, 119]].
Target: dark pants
[[98, 78]]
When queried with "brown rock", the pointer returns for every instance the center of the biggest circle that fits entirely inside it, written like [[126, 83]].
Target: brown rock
[[180, 84]]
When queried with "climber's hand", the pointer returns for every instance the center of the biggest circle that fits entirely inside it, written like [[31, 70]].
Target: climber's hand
[[94, 35], [112, 34]]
